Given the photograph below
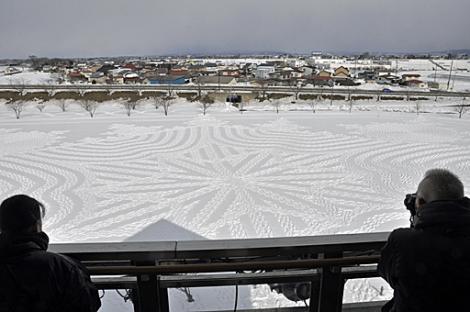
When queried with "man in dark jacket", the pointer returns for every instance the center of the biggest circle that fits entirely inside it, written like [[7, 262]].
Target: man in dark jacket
[[428, 265], [31, 278]]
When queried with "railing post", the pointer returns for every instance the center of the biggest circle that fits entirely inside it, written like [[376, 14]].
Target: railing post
[[147, 291], [314, 295], [163, 301], [330, 297]]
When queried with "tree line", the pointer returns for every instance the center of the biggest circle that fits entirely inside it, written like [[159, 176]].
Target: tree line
[[18, 99]]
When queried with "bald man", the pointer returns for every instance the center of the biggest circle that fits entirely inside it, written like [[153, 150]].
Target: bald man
[[428, 265]]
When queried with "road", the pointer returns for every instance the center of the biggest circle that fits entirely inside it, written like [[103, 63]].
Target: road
[[234, 89]]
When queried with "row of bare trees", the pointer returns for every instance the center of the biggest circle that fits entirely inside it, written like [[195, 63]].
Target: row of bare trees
[[90, 101]]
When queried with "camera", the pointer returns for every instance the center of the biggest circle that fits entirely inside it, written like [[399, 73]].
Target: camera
[[409, 202]]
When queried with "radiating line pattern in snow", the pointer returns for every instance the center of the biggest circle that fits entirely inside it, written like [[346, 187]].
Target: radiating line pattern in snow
[[221, 179]]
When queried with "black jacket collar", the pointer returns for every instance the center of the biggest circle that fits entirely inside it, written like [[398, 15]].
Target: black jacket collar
[[446, 216], [12, 245]]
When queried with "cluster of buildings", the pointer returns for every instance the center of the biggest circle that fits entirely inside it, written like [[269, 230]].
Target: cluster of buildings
[[272, 72], [314, 70]]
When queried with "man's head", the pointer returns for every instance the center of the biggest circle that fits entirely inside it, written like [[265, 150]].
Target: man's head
[[21, 214], [439, 184]]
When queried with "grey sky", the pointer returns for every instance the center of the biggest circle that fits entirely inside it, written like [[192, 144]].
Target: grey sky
[[148, 27]]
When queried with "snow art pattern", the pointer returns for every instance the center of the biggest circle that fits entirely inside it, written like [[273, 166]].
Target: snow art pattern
[[218, 178]]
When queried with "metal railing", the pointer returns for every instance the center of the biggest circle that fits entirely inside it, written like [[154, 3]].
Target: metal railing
[[151, 268]]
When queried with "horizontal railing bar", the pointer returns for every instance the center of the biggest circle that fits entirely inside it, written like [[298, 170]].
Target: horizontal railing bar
[[209, 249], [130, 282], [122, 282], [371, 306], [206, 280], [238, 279], [360, 272], [124, 251], [283, 245], [239, 266]]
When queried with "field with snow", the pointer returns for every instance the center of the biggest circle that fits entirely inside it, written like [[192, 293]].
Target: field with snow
[[26, 77], [227, 174]]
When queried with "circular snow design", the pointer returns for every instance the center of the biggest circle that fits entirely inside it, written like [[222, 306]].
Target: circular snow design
[[222, 179]]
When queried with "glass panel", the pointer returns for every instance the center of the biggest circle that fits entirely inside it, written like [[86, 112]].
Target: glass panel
[[366, 289], [249, 297]]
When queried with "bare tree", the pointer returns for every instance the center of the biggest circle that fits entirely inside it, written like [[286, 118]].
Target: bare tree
[[132, 101], [206, 101], [157, 99], [199, 85], [417, 106], [90, 106], [16, 105], [62, 103], [128, 99], [169, 89], [80, 92], [462, 108], [313, 104], [276, 104], [129, 106], [17, 102], [41, 105], [40, 98], [90, 101], [61, 99], [332, 95], [49, 91], [350, 104], [167, 101], [241, 107]]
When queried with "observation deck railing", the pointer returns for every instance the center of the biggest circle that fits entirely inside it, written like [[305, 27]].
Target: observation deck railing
[[151, 268]]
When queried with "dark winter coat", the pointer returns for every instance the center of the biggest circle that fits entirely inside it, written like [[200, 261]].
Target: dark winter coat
[[428, 266], [34, 280]]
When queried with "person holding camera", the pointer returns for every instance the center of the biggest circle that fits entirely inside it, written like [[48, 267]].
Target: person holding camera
[[428, 264]]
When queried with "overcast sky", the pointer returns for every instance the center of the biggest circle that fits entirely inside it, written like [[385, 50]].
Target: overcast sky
[[68, 28]]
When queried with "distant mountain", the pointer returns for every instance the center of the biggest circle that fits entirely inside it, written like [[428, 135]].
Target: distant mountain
[[401, 53], [461, 51], [245, 53], [231, 53]]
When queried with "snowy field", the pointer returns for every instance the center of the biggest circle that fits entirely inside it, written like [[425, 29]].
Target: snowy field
[[226, 174], [26, 77]]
